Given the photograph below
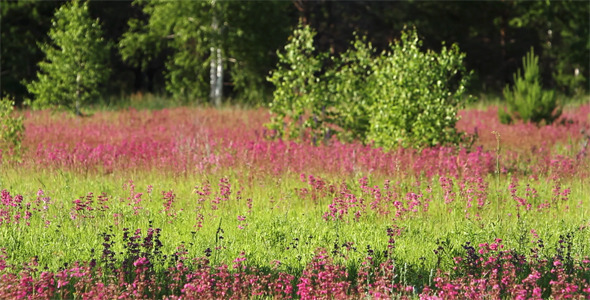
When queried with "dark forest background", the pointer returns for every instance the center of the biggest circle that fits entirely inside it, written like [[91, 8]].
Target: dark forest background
[[495, 35]]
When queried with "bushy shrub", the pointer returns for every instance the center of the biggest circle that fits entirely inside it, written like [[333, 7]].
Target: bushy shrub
[[417, 95], [298, 89], [526, 100], [403, 96], [75, 65], [350, 86], [11, 130]]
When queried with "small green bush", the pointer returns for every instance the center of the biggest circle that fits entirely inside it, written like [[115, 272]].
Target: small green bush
[[11, 130], [75, 64], [297, 86], [402, 97], [350, 87], [418, 95], [526, 100]]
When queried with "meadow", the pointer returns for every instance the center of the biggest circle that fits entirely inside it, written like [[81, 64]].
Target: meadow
[[198, 203]]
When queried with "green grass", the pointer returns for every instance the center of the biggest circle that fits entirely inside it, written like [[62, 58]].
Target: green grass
[[282, 225]]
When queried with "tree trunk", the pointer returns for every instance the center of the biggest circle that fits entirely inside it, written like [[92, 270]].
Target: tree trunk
[[216, 74], [219, 77], [77, 104], [216, 66]]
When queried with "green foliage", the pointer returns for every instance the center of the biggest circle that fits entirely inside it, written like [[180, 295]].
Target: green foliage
[[402, 97], [351, 86], [75, 62], [297, 85], [11, 129], [418, 95], [526, 100], [563, 27], [183, 30]]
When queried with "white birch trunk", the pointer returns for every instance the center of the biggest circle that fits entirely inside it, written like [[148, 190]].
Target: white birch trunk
[[216, 66], [212, 74], [77, 104], [219, 77]]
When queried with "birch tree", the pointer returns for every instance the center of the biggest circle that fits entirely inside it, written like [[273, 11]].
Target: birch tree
[[210, 44]]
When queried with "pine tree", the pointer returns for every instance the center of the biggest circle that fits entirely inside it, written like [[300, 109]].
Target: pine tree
[[527, 100], [75, 64]]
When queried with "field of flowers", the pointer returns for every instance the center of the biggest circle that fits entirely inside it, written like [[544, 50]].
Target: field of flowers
[[197, 203]]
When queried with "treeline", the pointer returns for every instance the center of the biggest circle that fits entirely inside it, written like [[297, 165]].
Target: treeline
[[184, 48]]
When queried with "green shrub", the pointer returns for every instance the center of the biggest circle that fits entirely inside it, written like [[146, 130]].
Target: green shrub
[[350, 87], [418, 95], [298, 88], [76, 62], [526, 100], [11, 130], [403, 96]]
